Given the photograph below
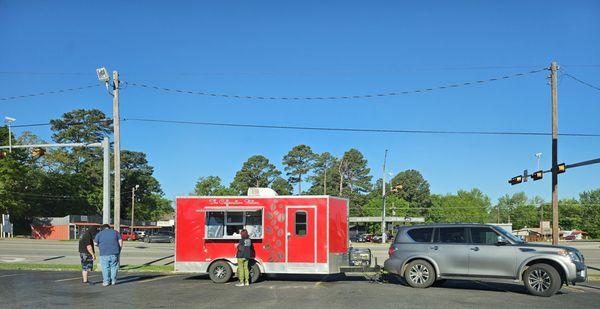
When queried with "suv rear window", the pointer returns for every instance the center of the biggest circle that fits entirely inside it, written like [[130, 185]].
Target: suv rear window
[[421, 235]]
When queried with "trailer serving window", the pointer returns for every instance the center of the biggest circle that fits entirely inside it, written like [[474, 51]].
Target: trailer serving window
[[228, 224]]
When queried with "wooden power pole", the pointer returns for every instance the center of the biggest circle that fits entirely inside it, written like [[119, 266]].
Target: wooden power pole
[[117, 145], [555, 229]]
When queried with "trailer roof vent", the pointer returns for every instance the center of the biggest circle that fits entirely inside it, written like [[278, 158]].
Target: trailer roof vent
[[261, 192]]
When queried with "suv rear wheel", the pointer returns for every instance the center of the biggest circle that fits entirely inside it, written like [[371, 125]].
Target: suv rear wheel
[[419, 274], [542, 280]]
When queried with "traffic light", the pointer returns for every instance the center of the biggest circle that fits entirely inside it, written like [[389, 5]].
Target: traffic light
[[516, 180], [561, 168], [537, 175], [3, 154], [38, 152]]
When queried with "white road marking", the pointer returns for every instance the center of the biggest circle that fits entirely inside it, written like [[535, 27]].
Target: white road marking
[[11, 275], [12, 260]]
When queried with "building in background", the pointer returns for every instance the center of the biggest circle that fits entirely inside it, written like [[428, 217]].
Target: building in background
[[72, 226]]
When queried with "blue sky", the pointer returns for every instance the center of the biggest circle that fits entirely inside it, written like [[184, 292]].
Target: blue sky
[[308, 48]]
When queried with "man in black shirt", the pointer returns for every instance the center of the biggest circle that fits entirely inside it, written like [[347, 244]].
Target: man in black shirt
[[86, 253]]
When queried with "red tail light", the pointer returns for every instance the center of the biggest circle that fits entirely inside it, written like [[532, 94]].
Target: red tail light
[[391, 250]]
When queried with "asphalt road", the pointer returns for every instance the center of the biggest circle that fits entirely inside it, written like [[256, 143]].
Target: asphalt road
[[50, 289], [65, 252]]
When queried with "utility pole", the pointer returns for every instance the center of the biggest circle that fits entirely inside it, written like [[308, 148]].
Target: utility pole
[[553, 77], [132, 209], [383, 238], [106, 182], [325, 181], [116, 127]]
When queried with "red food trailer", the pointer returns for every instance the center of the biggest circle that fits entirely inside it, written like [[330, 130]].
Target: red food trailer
[[290, 234]]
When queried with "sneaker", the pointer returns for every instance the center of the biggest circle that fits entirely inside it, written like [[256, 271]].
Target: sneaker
[[90, 283], [105, 284], [240, 284], [113, 283], [247, 283]]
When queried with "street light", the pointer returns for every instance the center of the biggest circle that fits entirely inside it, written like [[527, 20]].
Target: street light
[[8, 121], [538, 156], [105, 77]]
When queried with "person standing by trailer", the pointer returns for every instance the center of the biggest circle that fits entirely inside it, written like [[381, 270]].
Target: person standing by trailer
[[244, 254], [86, 253], [110, 243]]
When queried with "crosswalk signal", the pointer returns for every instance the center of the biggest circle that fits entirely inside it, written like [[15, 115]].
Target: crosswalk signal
[[537, 175], [561, 168], [515, 180], [396, 188]]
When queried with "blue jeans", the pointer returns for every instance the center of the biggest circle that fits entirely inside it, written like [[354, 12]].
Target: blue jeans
[[110, 268]]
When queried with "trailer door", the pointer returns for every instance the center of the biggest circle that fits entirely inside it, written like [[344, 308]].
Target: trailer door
[[301, 234]]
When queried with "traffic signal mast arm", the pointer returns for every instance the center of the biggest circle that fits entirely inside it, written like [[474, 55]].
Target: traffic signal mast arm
[[561, 169]]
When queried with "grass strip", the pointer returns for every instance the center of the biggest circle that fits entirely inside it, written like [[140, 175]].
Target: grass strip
[[59, 267]]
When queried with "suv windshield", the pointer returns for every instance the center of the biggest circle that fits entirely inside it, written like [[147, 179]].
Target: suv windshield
[[508, 235]]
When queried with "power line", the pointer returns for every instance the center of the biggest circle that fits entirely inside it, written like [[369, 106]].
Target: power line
[[581, 81], [239, 125], [49, 92], [257, 126], [44, 73], [107, 120], [344, 97]]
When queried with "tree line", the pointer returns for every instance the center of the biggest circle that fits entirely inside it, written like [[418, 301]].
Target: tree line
[[67, 181], [348, 176]]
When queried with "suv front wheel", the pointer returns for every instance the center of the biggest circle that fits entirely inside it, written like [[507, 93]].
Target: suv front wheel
[[542, 280], [419, 274]]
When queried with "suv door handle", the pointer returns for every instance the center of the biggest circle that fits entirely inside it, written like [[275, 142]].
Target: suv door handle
[[475, 248], [433, 247]]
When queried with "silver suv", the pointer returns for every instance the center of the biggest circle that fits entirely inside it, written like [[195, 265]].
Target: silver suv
[[424, 254]]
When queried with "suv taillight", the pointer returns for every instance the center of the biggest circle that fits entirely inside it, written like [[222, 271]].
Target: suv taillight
[[391, 249]]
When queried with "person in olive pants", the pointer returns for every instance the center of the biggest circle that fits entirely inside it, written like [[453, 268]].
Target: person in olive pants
[[244, 254]]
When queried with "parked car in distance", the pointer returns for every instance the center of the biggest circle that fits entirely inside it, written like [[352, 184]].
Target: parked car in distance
[[140, 234], [570, 237], [424, 254], [125, 235], [160, 237], [366, 237]]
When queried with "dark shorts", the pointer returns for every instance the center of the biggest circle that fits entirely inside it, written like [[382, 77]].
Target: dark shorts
[[87, 262]]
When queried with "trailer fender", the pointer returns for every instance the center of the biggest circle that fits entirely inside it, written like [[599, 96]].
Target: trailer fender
[[233, 263]]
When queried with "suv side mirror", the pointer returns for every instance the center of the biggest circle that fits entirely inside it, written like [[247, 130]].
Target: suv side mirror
[[501, 241]]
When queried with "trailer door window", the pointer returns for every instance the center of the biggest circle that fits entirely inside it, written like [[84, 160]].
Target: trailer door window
[[300, 223], [228, 224]]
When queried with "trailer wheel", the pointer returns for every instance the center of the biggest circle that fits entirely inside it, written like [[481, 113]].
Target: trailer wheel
[[220, 272], [254, 271]]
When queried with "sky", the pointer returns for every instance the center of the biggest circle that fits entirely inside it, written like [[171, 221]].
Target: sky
[[311, 48]]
